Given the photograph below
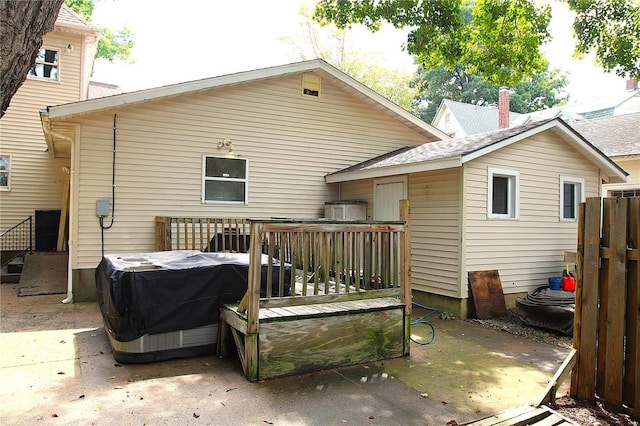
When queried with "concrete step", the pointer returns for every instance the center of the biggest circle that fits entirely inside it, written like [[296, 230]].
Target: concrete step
[[16, 265]]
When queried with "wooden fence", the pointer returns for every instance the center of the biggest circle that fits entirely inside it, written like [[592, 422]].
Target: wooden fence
[[607, 316]]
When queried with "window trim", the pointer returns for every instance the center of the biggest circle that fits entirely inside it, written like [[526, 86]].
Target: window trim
[[8, 172], [570, 180], [513, 193], [205, 178], [56, 65]]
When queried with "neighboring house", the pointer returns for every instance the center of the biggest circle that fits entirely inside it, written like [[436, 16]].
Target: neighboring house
[[32, 178], [619, 138], [101, 90], [505, 200], [282, 142], [168, 152], [459, 119]]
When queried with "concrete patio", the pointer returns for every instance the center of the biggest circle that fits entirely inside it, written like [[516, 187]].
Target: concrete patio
[[56, 368]]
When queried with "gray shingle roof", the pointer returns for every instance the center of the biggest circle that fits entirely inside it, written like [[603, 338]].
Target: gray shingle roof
[[476, 119], [615, 136], [443, 149]]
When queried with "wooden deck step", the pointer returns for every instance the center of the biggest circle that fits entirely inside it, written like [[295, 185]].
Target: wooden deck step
[[525, 416]]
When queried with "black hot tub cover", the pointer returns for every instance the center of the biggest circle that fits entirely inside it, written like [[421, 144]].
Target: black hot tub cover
[[150, 293]]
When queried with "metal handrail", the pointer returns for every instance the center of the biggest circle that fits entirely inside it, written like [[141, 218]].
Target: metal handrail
[[17, 240]]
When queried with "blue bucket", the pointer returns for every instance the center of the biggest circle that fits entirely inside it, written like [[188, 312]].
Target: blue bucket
[[555, 283]]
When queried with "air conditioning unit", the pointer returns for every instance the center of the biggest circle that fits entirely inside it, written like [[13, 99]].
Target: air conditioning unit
[[345, 210]]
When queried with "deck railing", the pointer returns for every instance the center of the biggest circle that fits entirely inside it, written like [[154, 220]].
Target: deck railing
[[204, 234], [17, 240]]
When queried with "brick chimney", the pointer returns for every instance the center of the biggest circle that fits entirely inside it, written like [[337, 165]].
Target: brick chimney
[[503, 108], [632, 83]]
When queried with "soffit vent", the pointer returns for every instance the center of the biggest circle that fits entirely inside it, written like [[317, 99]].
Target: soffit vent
[[311, 85]]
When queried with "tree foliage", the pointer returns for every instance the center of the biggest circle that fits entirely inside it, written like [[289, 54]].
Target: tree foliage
[[331, 44], [499, 40], [112, 44], [22, 26], [532, 94], [611, 29]]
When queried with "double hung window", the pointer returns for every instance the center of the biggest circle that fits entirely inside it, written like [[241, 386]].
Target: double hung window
[[46, 66], [224, 180]]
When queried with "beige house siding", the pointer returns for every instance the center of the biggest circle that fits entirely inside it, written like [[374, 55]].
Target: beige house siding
[[291, 141], [435, 227], [435, 231], [37, 178], [527, 250], [631, 166]]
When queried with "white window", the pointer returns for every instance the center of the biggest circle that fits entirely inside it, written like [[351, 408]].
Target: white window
[[5, 172], [571, 195], [624, 193], [224, 180], [503, 195], [46, 66]]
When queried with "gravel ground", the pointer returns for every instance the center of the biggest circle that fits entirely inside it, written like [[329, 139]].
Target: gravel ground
[[581, 412]]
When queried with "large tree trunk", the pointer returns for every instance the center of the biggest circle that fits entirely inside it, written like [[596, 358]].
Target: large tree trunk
[[22, 26]]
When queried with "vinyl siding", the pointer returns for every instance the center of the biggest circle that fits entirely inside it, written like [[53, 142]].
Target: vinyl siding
[[37, 178], [435, 231], [631, 166], [291, 141], [435, 227], [528, 250]]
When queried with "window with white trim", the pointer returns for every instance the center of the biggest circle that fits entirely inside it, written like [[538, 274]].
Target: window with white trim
[[224, 179], [5, 172], [46, 66], [503, 195], [571, 195], [625, 193]]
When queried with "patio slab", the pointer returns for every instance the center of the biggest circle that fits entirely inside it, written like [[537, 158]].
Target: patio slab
[[56, 368]]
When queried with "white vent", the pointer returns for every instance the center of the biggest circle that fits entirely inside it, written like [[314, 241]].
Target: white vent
[[311, 85]]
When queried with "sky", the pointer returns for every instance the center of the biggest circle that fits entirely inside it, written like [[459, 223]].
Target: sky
[[195, 39]]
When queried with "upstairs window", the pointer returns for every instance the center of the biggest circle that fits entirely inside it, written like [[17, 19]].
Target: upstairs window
[[46, 66], [571, 195], [224, 180], [5, 172], [503, 195]]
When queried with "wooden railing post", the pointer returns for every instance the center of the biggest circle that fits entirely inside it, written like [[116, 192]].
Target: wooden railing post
[[253, 301], [163, 233]]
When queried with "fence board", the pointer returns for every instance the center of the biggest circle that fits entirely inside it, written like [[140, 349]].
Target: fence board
[[607, 315], [589, 302], [612, 299], [631, 394]]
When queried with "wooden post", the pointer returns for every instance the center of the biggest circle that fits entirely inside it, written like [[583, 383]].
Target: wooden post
[[163, 233], [62, 242], [405, 271], [253, 301]]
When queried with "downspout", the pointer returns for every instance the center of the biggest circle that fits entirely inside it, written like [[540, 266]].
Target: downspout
[[46, 127]]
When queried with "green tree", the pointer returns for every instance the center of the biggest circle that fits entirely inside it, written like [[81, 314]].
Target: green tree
[[330, 44], [611, 29], [532, 94], [499, 40], [112, 44]]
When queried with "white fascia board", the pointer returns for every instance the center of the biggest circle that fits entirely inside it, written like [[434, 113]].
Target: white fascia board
[[400, 169]]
